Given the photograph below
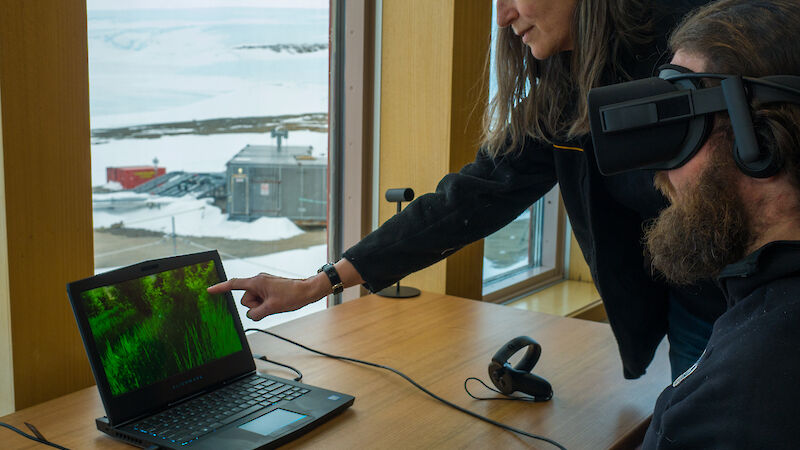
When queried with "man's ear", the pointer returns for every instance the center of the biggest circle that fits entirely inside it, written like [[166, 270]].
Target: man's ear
[[778, 133]]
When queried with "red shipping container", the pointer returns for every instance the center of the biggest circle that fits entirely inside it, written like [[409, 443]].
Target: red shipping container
[[130, 177]]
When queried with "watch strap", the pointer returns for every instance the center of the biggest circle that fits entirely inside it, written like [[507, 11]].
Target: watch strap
[[333, 277]]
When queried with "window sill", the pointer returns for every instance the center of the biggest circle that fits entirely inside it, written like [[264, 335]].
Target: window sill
[[522, 283], [568, 298]]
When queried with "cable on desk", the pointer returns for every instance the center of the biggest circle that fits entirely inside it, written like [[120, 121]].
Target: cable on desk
[[518, 399], [417, 385], [264, 358], [40, 439]]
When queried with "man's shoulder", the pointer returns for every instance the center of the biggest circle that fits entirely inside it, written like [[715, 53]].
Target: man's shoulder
[[777, 301], [743, 392], [760, 334], [771, 308]]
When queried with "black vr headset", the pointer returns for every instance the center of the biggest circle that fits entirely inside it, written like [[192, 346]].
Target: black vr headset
[[661, 122]]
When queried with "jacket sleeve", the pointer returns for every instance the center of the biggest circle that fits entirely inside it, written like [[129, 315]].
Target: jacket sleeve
[[480, 199]]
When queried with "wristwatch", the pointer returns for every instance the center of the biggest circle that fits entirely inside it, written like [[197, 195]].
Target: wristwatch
[[333, 276]]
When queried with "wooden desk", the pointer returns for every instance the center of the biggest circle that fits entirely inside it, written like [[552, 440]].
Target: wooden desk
[[439, 341]]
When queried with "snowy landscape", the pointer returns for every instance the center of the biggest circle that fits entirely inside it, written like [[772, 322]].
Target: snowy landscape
[[185, 86]]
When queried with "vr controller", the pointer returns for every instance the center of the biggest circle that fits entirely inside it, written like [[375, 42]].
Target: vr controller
[[661, 122]]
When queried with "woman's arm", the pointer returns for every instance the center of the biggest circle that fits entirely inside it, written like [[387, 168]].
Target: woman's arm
[[466, 206]]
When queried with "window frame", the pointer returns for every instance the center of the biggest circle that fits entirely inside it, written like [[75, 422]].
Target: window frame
[[355, 45], [553, 267]]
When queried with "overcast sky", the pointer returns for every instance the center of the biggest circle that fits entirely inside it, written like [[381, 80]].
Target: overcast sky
[[189, 4]]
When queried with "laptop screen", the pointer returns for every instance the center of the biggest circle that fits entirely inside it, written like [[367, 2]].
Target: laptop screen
[[151, 328], [155, 336]]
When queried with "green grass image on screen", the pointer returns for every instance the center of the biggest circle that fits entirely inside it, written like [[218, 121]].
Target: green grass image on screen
[[151, 328]]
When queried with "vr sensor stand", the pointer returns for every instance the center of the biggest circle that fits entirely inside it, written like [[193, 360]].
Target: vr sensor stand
[[397, 291]]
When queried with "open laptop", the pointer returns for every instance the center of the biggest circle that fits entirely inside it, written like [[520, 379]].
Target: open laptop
[[173, 366]]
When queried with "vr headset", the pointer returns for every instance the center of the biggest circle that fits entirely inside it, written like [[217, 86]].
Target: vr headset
[[661, 122]]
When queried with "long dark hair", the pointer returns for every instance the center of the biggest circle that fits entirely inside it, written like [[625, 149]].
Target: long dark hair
[[541, 98], [753, 38]]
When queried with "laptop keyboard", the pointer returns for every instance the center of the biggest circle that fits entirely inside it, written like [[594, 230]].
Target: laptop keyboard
[[189, 421]]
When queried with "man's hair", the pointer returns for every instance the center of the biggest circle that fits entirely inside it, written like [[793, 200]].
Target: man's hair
[[753, 38], [546, 98]]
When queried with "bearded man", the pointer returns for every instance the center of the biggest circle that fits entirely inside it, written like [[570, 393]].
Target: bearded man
[[740, 225]]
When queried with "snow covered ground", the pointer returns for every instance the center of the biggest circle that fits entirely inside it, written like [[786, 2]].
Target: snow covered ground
[[183, 4], [162, 65], [193, 217]]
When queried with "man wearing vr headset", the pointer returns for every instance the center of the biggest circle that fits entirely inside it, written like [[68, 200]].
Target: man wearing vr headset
[[731, 167]]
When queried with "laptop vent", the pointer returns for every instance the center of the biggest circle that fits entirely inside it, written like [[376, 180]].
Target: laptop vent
[[127, 438]]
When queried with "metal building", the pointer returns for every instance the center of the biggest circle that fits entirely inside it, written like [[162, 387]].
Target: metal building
[[278, 181]]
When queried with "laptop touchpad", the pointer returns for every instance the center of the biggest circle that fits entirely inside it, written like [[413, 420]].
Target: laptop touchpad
[[272, 421]]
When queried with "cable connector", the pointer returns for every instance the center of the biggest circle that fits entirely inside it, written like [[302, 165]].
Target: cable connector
[[264, 358]]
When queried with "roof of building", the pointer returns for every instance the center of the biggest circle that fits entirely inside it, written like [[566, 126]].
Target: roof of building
[[258, 155], [177, 184], [134, 167]]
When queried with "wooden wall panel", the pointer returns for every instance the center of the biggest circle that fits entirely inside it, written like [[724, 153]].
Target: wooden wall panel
[[470, 93], [46, 159], [432, 59]]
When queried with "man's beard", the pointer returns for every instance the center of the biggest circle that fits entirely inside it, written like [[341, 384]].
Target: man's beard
[[703, 231]]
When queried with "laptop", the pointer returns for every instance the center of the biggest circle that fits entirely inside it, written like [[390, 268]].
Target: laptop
[[173, 366]]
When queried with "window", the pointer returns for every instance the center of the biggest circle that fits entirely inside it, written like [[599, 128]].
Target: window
[[528, 252], [210, 131]]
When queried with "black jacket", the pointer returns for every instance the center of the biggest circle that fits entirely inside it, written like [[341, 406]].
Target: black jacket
[[607, 215], [743, 392]]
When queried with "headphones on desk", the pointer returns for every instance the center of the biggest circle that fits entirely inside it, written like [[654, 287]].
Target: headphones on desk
[[509, 379]]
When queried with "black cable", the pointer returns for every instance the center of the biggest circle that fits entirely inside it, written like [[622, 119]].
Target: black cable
[[519, 399], [31, 437], [264, 358], [418, 386]]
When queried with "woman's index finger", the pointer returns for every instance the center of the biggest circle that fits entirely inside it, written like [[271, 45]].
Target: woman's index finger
[[230, 285]]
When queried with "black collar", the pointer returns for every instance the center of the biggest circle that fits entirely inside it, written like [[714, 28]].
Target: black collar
[[770, 262]]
